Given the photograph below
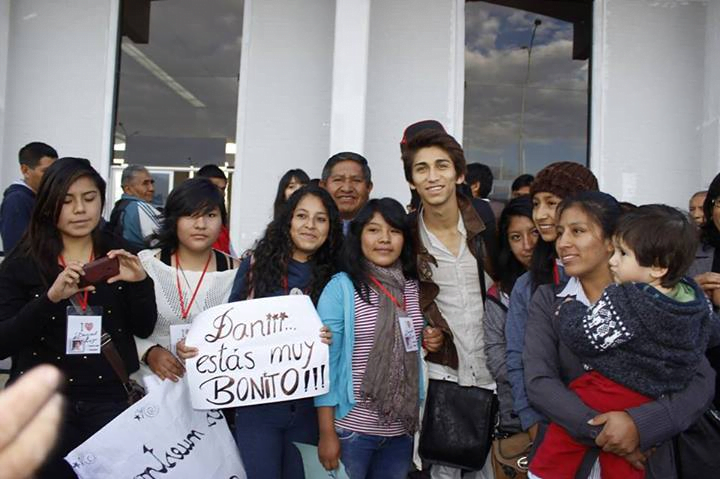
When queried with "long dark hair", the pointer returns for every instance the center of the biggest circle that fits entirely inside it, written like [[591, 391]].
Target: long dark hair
[[507, 265], [195, 196], [299, 176], [709, 233], [394, 213], [275, 248], [42, 240], [542, 263]]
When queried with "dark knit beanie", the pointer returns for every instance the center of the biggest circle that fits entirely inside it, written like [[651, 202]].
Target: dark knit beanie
[[563, 179]]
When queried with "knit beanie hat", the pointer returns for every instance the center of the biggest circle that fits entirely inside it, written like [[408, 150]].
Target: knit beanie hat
[[563, 179]]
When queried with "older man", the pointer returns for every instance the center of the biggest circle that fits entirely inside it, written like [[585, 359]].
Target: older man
[[133, 217], [346, 176]]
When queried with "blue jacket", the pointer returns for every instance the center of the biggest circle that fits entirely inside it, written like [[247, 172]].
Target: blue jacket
[[15, 211], [515, 325], [132, 226], [336, 308]]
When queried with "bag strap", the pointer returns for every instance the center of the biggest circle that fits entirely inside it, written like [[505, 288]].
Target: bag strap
[[498, 302], [113, 356], [479, 257], [223, 263]]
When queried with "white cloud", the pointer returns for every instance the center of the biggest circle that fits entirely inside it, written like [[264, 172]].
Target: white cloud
[[556, 94]]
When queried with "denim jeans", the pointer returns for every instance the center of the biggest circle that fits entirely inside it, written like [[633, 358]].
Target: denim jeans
[[265, 433], [374, 457], [82, 420]]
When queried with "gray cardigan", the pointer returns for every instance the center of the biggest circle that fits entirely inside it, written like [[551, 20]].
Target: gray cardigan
[[494, 324], [703, 260], [550, 366]]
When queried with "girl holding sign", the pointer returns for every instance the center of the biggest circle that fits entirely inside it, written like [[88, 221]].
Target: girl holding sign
[[189, 275], [372, 309], [47, 317], [296, 255]]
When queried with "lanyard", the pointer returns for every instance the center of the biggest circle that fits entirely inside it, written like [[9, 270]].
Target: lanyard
[[284, 282], [82, 298], [184, 312], [386, 292]]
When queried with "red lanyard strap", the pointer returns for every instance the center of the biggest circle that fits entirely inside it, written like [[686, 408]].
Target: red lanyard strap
[[386, 292], [81, 298], [183, 311]]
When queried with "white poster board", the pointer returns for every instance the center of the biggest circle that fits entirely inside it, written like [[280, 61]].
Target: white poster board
[[160, 436], [257, 351]]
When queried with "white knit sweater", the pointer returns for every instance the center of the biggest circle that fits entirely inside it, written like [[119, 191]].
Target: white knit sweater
[[214, 290]]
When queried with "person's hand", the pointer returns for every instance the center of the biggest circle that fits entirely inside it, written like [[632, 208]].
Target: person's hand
[[637, 459], [30, 414], [131, 269], [708, 281], [164, 364], [66, 283], [619, 434], [185, 352], [326, 335], [329, 450], [533, 431], [433, 339]]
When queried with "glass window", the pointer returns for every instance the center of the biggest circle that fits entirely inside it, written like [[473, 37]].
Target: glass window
[[526, 98], [177, 93]]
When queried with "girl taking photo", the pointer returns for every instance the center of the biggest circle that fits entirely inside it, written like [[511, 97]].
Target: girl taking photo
[[368, 417], [189, 275], [47, 317]]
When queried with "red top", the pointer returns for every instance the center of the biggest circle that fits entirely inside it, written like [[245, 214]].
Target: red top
[[223, 241]]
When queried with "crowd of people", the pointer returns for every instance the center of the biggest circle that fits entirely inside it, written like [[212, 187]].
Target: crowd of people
[[569, 332]]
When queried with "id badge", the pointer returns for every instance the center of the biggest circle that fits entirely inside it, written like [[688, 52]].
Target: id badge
[[177, 332], [408, 334], [84, 330]]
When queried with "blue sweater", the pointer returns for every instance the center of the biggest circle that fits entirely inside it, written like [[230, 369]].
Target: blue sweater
[[15, 211], [336, 308]]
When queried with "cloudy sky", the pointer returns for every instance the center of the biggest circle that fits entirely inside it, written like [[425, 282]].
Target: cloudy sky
[[496, 55]]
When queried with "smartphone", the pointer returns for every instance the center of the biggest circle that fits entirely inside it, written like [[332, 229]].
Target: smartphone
[[99, 270]]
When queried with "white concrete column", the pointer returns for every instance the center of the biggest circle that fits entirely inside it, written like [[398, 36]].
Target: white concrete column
[[60, 80], [4, 50], [284, 101], [416, 71], [710, 127], [349, 76], [326, 76], [647, 103]]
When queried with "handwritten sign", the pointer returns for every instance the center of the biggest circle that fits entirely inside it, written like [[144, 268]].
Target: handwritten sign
[[160, 436], [257, 351]]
